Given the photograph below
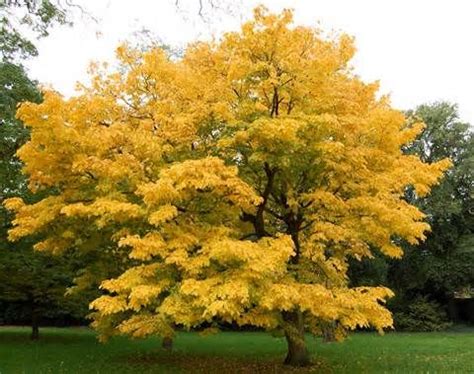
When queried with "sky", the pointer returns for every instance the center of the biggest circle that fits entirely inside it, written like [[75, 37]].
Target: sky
[[420, 50]]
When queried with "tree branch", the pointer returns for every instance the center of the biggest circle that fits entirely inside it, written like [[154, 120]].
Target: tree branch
[[258, 220]]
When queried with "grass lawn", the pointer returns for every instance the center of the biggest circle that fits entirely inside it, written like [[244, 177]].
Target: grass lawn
[[76, 350]]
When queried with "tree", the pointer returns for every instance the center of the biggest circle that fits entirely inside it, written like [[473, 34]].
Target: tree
[[35, 15], [234, 183], [33, 283], [443, 264], [14, 87]]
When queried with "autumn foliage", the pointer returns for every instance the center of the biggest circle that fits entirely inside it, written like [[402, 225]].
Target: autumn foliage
[[232, 184]]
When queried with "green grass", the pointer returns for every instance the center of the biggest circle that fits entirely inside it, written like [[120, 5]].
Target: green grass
[[76, 350]]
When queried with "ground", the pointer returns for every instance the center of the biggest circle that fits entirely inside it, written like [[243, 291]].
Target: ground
[[76, 350]]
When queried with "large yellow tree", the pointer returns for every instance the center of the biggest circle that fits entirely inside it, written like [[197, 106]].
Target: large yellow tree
[[231, 185]]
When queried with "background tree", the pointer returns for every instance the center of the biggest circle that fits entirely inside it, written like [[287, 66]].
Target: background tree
[[20, 20], [32, 285], [238, 200], [442, 265], [14, 88]]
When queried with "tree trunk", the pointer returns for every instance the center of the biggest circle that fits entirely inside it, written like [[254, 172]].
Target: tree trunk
[[34, 324], [298, 354], [167, 343], [329, 334]]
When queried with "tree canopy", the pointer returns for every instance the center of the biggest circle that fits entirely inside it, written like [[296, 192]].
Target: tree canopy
[[234, 183]]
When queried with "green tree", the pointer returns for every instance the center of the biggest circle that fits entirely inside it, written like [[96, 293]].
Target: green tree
[[36, 16], [33, 283], [442, 265], [15, 87]]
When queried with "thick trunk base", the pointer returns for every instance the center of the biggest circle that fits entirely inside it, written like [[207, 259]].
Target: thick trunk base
[[34, 325], [34, 332], [167, 343], [298, 354], [329, 333]]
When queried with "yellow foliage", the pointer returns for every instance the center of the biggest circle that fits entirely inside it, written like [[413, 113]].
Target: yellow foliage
[[232, 184]]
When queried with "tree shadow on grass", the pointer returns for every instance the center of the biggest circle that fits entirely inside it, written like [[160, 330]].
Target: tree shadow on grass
[[188, 363]]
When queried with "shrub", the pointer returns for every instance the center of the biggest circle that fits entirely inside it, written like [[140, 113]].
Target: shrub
[[421, 315]]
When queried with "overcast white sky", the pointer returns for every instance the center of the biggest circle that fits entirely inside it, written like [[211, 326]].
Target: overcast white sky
[[420, 50]]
